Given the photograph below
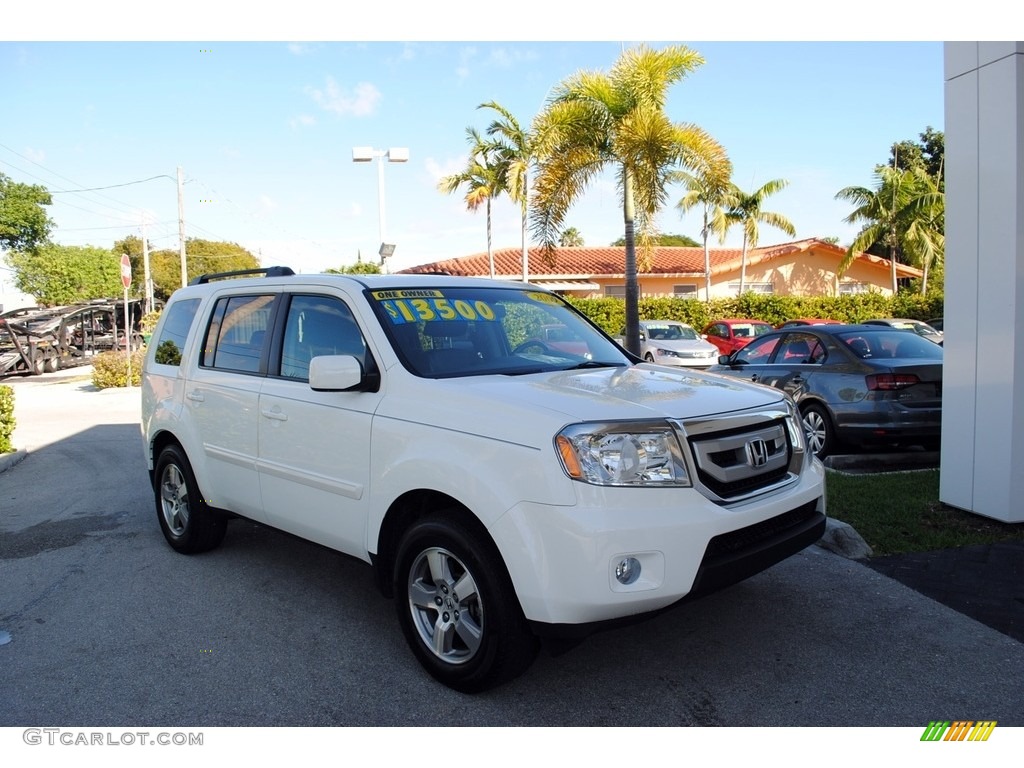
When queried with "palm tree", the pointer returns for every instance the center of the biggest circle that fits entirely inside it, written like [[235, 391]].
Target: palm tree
[[570, 238], [710, 194], [887, 212], [745, 210], [514, 154], [594, 121], [483, 181], [924, 241]]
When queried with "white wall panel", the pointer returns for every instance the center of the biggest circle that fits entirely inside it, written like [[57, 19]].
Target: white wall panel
[[983, 398]]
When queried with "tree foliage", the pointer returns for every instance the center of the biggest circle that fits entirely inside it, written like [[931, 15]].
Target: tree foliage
[[707, 191], [745, 210], [24, 223], [359, 268], [927, 154], [482, 180], [515, 150], [202, 257], [684, 241], [571, 238], [596, 121], [904, 214], [132, 245], [65, 274]]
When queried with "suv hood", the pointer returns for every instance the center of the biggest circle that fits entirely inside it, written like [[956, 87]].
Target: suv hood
[[514, 407]]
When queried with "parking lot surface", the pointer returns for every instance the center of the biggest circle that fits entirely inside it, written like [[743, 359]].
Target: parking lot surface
[[108, 626]]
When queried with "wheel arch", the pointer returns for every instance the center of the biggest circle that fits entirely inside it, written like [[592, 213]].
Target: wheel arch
[[404, 512]]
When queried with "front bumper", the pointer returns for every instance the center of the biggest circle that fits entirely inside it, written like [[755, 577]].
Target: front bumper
[[563, 559]]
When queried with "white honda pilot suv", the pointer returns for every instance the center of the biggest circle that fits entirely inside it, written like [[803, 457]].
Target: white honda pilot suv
[[507, 491]]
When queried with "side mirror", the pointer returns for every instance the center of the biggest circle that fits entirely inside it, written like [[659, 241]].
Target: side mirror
[[338, 373], [724, 359]]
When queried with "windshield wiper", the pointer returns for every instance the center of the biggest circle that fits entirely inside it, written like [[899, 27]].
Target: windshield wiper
[[595, 364]]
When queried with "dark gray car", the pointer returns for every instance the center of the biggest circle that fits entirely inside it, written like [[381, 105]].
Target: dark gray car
[[857, 384]]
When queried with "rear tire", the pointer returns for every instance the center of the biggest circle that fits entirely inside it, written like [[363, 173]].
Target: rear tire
[[188, 523], [818, 430], [457, 607]]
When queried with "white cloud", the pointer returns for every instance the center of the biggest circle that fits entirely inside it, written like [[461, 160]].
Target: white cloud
[[35, 155], [505, 58], [438, 170], [338, 100], [302, 121], [466, 57], [266, 205], [300, 49]]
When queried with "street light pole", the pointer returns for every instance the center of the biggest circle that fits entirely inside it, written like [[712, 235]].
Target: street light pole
[[393, 155]]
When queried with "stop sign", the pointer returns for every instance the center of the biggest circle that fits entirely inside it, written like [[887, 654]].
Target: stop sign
[[126, 271]]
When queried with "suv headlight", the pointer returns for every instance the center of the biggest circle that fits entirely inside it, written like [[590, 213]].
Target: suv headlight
[[624, 454], [795, 426]]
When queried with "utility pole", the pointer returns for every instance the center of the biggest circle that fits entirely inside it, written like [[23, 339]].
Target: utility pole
[[147, 282], [181, 227]]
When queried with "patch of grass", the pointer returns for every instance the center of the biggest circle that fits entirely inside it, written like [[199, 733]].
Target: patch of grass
[[897, 512]]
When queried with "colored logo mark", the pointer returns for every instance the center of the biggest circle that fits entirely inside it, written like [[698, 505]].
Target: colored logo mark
[[958, 730]]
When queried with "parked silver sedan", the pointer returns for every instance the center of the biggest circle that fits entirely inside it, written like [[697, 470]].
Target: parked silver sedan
[[906, 324], [670, 342]]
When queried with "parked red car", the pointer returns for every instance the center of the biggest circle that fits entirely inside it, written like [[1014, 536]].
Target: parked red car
[[734, 333]]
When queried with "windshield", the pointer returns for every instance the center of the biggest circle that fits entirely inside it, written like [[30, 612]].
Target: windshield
[[475, 331], [749, 330], [670, 332]]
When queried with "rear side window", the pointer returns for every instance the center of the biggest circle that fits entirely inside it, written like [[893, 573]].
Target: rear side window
[[236, 334], [175, 331]]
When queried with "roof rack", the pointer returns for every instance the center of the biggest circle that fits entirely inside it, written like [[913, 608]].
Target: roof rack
[[264, 271]]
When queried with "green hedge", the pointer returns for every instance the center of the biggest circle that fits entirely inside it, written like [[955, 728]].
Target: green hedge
[[7, 421], [610, 314], [110, 369]]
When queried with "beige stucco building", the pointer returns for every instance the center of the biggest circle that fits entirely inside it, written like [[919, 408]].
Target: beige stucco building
[[800, 268]]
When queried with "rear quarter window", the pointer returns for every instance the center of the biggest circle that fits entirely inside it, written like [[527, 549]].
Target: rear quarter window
[[174, 332]]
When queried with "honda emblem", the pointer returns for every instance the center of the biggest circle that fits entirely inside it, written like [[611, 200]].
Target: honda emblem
[[757, 453]]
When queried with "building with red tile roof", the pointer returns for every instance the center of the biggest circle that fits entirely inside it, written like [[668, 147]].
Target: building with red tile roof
[[800, 268]]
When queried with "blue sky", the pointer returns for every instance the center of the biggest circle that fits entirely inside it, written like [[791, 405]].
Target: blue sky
[[264, 133]]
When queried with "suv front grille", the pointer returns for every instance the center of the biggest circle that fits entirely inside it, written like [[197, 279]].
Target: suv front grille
[[739, 457]]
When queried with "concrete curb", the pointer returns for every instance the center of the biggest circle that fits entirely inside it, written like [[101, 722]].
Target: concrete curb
[[8, 460], [882, 462]]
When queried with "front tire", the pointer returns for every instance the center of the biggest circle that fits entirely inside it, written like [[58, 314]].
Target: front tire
[[457, 608], [188, 523], [818, 429]]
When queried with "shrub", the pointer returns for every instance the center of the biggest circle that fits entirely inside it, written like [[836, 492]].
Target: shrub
[[610, 313], [6, 418], [110, 369], [149, 321]]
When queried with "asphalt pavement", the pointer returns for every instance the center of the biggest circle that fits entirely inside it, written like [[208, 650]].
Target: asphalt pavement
[[101, 623]]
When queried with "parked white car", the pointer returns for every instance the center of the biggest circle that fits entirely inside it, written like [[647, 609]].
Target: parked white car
[[504, 492], [670, 342]]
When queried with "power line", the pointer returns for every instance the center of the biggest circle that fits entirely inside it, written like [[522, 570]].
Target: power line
[[111, 186]]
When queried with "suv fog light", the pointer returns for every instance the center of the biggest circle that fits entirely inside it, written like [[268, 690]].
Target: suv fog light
[[628, 570]]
